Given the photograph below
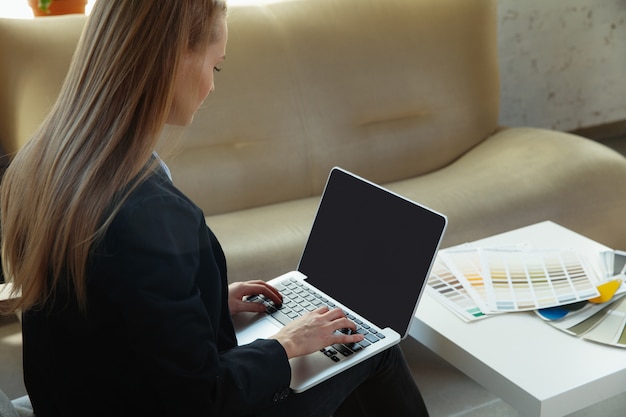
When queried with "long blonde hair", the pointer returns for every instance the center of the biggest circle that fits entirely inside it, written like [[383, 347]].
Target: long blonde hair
[[64, 187]]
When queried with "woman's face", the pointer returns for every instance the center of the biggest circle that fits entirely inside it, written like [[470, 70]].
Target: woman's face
[[195, 79]]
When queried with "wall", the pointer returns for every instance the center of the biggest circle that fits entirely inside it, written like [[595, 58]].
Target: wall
[[562, 62]]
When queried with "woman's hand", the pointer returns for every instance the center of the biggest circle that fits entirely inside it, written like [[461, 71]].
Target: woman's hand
[[307, 334], [239, 290], [315, 331]]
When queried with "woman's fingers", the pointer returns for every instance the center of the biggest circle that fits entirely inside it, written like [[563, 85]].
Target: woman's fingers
[[238, 291]]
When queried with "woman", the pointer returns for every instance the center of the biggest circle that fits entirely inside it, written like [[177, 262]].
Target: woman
[[126, 305]]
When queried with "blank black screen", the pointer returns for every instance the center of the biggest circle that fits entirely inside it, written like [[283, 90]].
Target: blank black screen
[[371, 249]]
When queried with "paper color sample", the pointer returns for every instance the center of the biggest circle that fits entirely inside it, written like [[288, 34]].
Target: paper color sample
[[583, 320], [607, 290], [560, 312], [602, 323], [465, 264], [445, 287], [611, 329]]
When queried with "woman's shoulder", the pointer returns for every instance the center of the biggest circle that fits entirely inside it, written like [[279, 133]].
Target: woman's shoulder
[[157, 196]]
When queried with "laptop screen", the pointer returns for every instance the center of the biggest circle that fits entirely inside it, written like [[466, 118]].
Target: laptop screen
[[371, 249]]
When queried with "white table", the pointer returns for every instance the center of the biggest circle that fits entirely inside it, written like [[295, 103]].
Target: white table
[[537, 369]]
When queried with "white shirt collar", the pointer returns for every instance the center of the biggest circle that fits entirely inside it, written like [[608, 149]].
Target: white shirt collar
[[163, 165]]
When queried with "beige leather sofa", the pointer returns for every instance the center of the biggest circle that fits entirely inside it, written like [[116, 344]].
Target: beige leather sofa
[[402, 92]]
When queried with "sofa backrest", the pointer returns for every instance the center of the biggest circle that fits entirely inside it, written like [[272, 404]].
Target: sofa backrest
[[388, 89], [34, 57]]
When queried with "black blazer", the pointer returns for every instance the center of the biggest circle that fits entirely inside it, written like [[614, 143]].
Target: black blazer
[[157, 338]]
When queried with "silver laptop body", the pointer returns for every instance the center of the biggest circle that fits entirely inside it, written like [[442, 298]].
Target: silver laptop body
[[369, 252]]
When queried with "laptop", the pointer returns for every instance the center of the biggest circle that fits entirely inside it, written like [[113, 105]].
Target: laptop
[[369, 252]]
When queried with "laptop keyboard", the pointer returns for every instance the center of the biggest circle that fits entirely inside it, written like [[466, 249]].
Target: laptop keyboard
[[299, 299]]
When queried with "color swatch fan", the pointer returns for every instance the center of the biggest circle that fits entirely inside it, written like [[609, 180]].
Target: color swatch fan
[[504, 280], [601, 319]]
